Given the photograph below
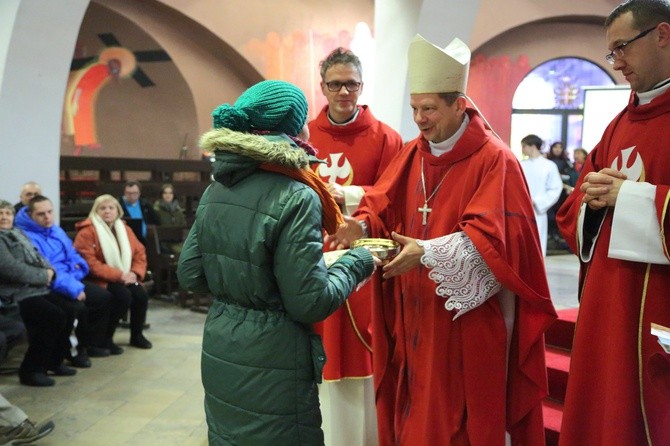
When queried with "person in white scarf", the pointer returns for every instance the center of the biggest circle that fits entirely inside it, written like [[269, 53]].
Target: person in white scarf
[[117, 261]]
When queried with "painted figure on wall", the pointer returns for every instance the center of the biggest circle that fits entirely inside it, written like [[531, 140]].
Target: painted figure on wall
[[82, 93]]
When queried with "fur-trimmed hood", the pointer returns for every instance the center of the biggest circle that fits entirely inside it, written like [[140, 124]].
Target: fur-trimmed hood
[[238, 154], [275, 148]]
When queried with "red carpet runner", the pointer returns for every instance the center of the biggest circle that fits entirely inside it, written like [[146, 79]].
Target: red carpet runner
[[559, 344]]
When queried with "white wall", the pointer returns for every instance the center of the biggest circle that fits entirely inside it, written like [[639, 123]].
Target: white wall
[[8, 10]]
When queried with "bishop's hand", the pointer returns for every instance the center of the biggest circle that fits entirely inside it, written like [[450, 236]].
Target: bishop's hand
[[409, 257]]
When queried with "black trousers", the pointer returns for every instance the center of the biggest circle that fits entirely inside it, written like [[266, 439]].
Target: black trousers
[[48, 320], [12, 331], [93, 322], [133, 297]]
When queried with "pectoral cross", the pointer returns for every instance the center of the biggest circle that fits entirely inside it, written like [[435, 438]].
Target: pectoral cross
[[425, 210]]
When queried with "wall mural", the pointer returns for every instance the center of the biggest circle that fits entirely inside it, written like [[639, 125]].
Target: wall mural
[[295, 58], [81, 95], [89, 75]]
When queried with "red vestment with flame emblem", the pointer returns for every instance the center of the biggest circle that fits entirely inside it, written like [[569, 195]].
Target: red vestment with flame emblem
[[355, 154], [619, 386]]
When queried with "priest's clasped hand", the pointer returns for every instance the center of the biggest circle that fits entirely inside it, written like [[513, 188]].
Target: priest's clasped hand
[[409, 257], [336, 191], [601, 189]]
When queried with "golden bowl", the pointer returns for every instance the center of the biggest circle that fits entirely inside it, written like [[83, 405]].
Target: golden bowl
[[382, 248]]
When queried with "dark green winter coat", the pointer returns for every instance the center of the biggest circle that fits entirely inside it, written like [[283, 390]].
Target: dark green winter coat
[[256, 245]]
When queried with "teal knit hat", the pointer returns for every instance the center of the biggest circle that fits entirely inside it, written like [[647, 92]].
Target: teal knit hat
[[269, 105]]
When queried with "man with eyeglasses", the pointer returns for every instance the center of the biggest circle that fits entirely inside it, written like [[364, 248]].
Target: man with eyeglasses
[[617, 221], [356, 148]]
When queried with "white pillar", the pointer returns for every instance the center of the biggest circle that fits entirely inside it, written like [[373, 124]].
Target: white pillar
[[396, 23], [37, 40]]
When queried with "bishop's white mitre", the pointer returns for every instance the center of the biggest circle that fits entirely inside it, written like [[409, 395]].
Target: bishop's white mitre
[[436, 70]]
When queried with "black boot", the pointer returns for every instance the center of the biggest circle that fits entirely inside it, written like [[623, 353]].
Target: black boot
[[81, 361], [113, 348], [63, 370], [98, 352], [140, 341], [35, 379], [137, 318]]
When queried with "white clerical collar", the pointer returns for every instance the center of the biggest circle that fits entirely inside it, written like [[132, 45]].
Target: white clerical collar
[[439, 148], [348, 121], [648, 96]]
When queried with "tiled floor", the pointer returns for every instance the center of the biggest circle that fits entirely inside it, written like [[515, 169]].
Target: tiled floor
[[142, 397], [154, 397]]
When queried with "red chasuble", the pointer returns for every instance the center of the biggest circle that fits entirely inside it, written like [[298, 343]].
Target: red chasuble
[[619, 387], [355, 154], [445, 382]]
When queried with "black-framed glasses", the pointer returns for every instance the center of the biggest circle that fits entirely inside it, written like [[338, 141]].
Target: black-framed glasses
[[351, 86], [617, 51]]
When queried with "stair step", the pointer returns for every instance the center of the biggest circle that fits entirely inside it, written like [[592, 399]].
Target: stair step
[[558, 340], [557, 358], [558, 366], [562, 331], [553, 414]]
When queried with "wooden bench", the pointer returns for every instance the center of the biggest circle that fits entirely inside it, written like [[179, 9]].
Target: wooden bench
[[161, 262], [164, 267], [83, 179]]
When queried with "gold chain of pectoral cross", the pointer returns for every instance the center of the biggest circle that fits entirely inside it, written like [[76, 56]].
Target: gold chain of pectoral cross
[[425, 210]]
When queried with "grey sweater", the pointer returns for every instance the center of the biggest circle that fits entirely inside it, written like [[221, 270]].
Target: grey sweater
[[23, 271]]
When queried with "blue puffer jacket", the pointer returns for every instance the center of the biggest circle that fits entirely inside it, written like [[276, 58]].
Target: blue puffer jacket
[[54, 244], [256, 245]]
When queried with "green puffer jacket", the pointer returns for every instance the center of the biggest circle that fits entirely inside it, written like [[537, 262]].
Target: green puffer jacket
[[256, 245]]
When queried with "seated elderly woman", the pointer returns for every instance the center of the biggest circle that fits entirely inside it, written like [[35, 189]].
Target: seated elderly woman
[[25, 277], [117, 261]]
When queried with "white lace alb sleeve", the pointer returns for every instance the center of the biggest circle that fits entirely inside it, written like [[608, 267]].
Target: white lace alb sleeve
[[461, 275]]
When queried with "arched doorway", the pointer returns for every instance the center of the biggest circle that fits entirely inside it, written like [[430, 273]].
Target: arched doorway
[[549, 101]]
